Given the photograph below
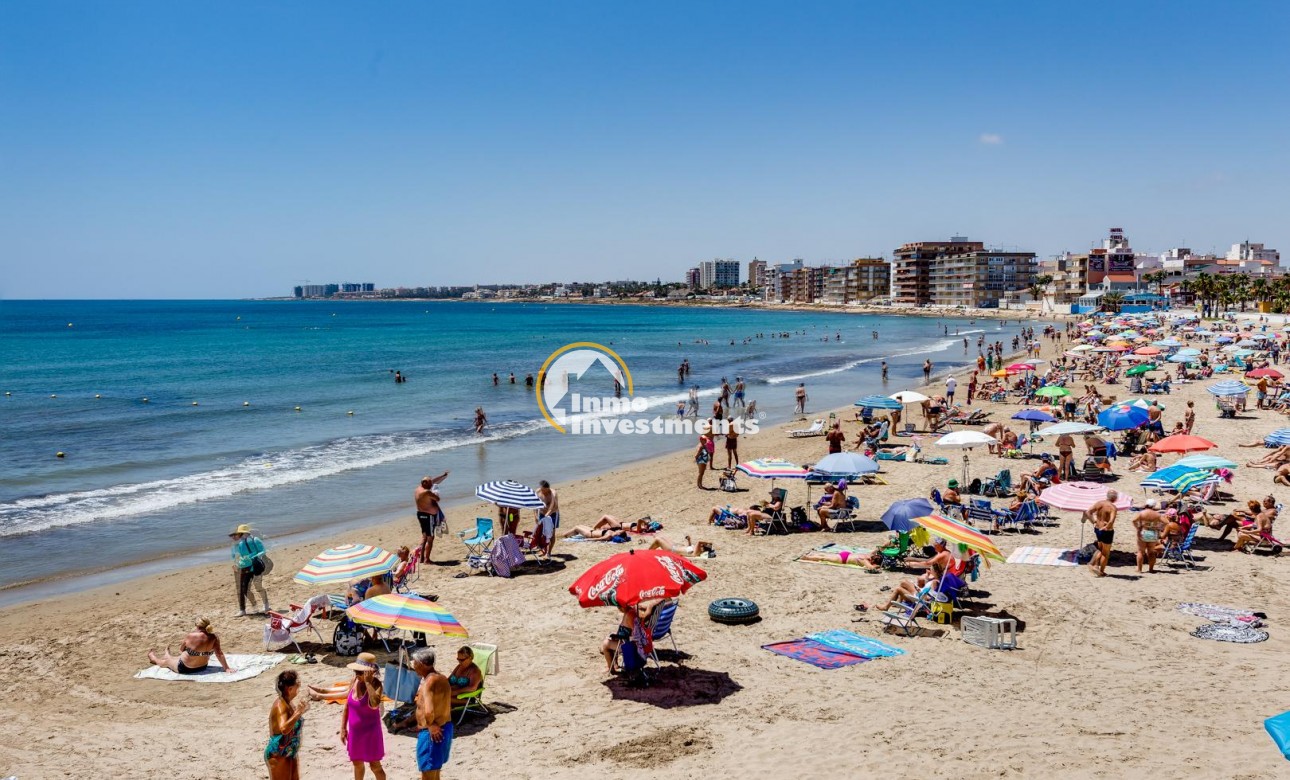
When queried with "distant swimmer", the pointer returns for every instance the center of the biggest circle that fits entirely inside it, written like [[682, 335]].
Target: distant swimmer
[[965, 344], [875, 335], [429, 513], [399, 378], [680, 374], [512, 377], [495, 380], [480, 419], [528, 380], [837, 336]]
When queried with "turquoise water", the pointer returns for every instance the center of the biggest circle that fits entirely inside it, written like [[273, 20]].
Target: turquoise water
[[146, 479]]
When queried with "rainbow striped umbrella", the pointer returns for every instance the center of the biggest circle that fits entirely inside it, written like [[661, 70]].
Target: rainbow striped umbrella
[[772, 468], [346, 563], [960, 535], [409, 613]]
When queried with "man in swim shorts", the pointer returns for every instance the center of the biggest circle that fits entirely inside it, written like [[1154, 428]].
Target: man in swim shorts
[[434, 716], [1102, 515], [548, 518], [429, 514]]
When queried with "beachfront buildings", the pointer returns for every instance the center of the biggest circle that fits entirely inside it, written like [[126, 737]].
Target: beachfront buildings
[[693, 278], [718, 274], [864, 279], [756, 273], [776, 289], [958, 272]]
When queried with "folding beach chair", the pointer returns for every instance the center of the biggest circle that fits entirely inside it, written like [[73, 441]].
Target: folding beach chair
[[662, 627], [1180, 552], [999, 485], [282, 628], [1022, 518], [903, 616], [894, 557], [486, 660], [816, 429], [478, 544], [981, 514], [411, 573], [846, 514], [778, 520]]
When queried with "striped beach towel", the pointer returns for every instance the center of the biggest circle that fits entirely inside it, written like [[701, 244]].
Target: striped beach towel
[[1043, 556], [855, 644]]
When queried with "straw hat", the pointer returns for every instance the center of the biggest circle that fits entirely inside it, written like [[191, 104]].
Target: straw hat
[[366, 662], [241, 529]]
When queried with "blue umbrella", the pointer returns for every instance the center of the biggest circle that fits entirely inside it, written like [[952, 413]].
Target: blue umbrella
[[1223, 340], [1179, 357], [1122, 417], [900, 516], [1278, 438], [1206, 462], [1163, 478], [878, 402], [1228, 387], [1033, 415], [844, 464]]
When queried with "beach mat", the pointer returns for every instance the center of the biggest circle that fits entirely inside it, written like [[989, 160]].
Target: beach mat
[[1224, 633], [1043, 556], [855, 644], [247, 666], [814, 653], [833, 548], [1215, 613]]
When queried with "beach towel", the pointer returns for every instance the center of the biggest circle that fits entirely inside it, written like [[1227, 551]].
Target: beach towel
[[814, 653], [855, 644], [1224, 633], [1043, 556], [1215, 613], [1278, 727], [859, 552], [247, 666]]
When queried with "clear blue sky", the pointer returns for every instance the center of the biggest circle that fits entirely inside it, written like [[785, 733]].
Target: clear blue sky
[[235, 149]]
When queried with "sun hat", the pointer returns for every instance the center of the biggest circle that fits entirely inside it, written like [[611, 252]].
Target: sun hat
[[1151, 503], [953, 483], [241, 529], [365, 662]]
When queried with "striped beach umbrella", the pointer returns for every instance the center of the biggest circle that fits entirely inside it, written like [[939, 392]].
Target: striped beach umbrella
[[407, 613], [1278, 438], [510, 494], [1073, 428], [1228, 387], [960, 537], [772, 468], [1079, 496], [878, 402], [1180, 478], [346, 563]]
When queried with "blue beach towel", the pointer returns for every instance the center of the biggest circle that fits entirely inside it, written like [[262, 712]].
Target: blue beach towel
[[855, 644], [1278, 727]]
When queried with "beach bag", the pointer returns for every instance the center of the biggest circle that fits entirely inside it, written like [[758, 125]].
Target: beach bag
[[401, 719], [728, 483], [347, 638], [798, 514], [974, 487], [1085, 554], [268, 564]]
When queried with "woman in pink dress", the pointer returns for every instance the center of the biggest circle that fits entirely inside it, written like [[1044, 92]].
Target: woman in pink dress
[[360, 723]]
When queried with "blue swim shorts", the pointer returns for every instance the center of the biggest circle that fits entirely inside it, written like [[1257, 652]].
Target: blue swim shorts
[[433, 755]]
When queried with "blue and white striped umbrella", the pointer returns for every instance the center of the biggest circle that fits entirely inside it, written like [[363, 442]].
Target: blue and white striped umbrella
[[1278, 438], [1228, 387], [1180, 478], [878, 402], [509, 493]]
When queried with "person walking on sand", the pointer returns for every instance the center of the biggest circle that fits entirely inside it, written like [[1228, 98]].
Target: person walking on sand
[[361, 731], [548, 518], [703, 456], [951, 384], [250, 564], [434, 716], [801, 397], [1102, 515], [1189, 417], [429, 514], [480, 419], [739, 392]]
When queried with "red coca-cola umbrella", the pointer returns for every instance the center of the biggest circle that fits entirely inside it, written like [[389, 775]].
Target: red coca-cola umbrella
[[627, 579]]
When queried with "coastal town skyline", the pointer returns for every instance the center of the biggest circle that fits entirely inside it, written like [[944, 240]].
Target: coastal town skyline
[[189, 154]]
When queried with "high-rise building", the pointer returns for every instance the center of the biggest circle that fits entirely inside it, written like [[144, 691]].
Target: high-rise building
[[911, 267], [718, 274], [865, 278], [1113, 266], [756, 273], [979, 277], [776, 289], [693, 279]]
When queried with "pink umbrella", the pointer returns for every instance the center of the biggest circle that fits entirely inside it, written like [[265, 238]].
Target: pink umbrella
[[1079, 496], [1017, 368]]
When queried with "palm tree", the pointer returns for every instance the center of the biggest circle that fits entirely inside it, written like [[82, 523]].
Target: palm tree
[[1040, 286], [1260, 291], [1111, 301]]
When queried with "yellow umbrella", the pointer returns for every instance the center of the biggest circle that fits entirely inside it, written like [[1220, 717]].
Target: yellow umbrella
[[959, 534], [1000, 373]]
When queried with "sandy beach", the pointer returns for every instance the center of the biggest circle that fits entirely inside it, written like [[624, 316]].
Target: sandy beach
[[1106, 681]]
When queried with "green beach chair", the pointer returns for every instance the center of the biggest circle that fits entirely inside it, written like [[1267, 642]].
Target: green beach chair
[[486, 660]]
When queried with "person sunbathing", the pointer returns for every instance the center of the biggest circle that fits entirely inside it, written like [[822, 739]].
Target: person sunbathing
[[1238, 519], [1274, 459], [1042, 477], [1144, 461], [871, 562], [195, 653], [1262, 525], [1282, 477], [689, 549], [607, 527]]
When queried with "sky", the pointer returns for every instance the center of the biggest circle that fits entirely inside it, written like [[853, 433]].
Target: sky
[[229, 150]]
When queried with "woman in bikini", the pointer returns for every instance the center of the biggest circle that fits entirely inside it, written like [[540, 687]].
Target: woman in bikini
[[872, 561], [607, 527], [466, 677], [689, 549], [286, 717], [200, 644]]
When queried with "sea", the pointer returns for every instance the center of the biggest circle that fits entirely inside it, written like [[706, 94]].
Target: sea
[[178, 420]]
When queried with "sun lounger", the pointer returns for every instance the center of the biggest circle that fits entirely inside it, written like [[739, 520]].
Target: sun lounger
[[816, 429]]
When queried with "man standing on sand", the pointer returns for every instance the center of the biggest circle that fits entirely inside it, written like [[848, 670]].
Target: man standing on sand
[[549, 517], [801, 397], [927, 371], [951, 384], [1102, 515], [429, 514], [434, 716], [1189, 417]]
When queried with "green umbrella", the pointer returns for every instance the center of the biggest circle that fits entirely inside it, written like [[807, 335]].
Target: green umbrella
[[1052, 391], [1140, 369]]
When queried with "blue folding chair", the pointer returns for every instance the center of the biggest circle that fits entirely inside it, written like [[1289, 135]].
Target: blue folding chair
[[1180, 552], [478, 544]]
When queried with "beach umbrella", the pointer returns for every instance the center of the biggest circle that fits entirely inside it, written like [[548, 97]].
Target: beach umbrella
[[1241, 353], [844, 464], [878, 402], [1179, 478], [1143, 403], [1081, 348], [965, 440], [1079, 496], [1141, 369], [628, 578], [346, 563], [1169, 342], [901, 516], [960, 537], [1183, 442], [1034, 416], [1278, 438], [1122, 417], [1052, 391], [1229, 387], [909, 397], [1259, 373], [1179, 357], [509, 493], [1147, 351], [1206, 462], [1000, 373], [1223, 340], [1073, 428], [772, 469], [407, 613], [1017, 368]]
